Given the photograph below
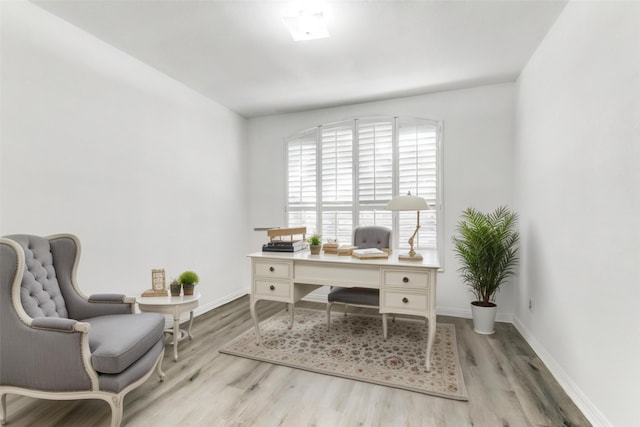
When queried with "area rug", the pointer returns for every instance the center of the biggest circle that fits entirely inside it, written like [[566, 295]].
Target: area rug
[[354, 349]]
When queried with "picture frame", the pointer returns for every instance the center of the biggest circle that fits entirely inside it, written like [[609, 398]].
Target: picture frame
[[158, 280]]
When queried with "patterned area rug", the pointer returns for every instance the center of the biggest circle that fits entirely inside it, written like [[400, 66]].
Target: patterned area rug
[[354, 348]]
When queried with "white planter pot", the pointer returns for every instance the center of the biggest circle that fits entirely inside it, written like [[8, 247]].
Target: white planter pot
[[483, 319]]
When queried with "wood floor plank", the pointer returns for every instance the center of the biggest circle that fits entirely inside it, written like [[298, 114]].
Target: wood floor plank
[[507, 385]]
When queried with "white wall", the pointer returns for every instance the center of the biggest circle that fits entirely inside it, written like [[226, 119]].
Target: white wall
[[148, 173], [578, 190], [478, 170]]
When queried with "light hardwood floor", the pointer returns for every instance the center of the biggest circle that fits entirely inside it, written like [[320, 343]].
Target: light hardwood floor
[[507, 385]]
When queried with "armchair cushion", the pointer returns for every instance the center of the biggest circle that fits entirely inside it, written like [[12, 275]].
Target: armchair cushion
[[117, 382], [116, 341]]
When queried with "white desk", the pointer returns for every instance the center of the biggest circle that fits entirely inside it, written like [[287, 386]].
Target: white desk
[[173, 306], [406, 287]]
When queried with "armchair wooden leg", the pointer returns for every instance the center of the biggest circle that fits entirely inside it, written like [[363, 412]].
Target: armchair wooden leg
[[116, 410], [329, 304], [159, 367]]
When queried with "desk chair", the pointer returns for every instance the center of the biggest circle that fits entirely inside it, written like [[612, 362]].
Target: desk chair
[[371, 236]]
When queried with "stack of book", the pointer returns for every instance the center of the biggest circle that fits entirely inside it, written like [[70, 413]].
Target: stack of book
[[346, 250], [284, 246], [335, 249], [155, 293], [330, 248]]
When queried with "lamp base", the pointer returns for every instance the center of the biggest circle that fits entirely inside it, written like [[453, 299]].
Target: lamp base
[[407, 257]]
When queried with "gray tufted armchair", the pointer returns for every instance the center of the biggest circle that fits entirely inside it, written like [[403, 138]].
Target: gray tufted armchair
[[55, 342], [370, 236]]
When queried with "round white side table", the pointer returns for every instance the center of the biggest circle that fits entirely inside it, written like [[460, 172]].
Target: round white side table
[[174, 306]]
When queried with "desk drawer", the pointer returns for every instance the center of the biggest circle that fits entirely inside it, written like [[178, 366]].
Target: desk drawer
[[399, 302], [406, 279], [337, 274], [272, 289], [271, 268]]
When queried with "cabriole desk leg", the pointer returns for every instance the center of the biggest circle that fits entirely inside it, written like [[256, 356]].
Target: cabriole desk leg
[[384, 326], [290, 315], [430, 339], [254, 315]]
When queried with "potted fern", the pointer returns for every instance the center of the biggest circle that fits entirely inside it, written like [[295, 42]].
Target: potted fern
[[487, 248]]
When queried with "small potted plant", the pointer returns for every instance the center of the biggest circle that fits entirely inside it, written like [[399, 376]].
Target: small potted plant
[[487, 247], [175, 287], [315, 244], [188, 279]]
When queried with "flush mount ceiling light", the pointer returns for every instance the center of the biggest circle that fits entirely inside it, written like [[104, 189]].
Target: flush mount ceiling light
[[305, 20]]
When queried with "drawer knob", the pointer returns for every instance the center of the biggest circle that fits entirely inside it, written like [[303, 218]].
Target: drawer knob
[[405, 279], [405, 300], [273, 288], [271, 269]]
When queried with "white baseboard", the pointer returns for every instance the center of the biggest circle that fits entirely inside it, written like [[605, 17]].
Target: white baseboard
[[587, 407], [453, 312], [466, 314], [201, 309], [220, 301], [316, 298]]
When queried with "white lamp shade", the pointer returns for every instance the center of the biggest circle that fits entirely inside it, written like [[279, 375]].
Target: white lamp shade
[[408, 203]]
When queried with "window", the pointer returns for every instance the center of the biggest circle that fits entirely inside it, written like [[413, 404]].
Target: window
[[342, 175]]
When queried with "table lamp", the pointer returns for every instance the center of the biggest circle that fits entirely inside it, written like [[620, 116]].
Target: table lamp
[[409, 203]]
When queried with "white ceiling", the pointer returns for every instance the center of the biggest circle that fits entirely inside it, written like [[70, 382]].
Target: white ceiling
[[240, 54]]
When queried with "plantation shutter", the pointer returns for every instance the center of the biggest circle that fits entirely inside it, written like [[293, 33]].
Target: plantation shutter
[[417, 172], [301, 181], [337, 181], [375, 171], [342, 175]]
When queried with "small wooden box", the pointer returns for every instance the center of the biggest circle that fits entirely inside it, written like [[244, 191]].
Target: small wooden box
[[280, 234]]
